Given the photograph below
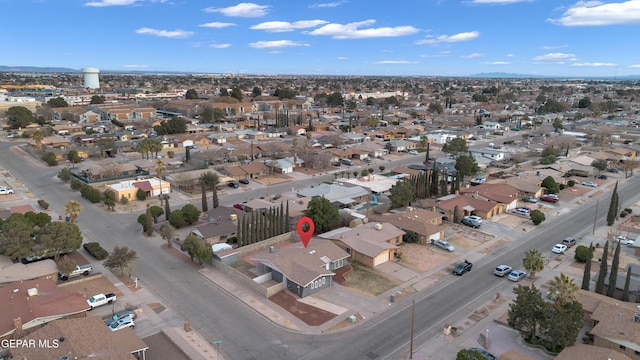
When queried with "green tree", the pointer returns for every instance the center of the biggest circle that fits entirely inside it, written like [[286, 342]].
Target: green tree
[[156, 212], [38, 219], [141, 195], [37, 138], [59, 237], [19, 117], [627, 283], [456, 147], [324, 215], [551, 185], [203, 196], [175, 125], [533, 262], [66, 265], [16, 238], [256, 91], [190, 213], [64, 174], [435, 107], [613, 273], [188, 243], [563, 289], [525, 310], [586, 276], [602, 274], [197, 249], [57, 103], [148, 221], [466, 354], [121, 259], [557, 124], [466, 166], [211, 180], [96, 100], [167, 232], [537, 217], [72, 209], [176, 219], [402, 193], [191, 94], [142, 220], [560, 325], [50, 158], [109, 199], [613, 206], [600, 165], [236, 93]]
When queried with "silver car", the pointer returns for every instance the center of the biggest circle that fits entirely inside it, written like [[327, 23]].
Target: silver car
[[445, 245]]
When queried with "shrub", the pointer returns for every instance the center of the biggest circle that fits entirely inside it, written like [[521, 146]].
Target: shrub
[[176, 218], [141, 195], [43, 204], [124, 200], [582, 254], [190, 213], [96, 250], [571, 183], [76, 184], [629, 211], [170, 154], [64, 175], [562, 186], [537, 217], [623, 213], [90, 193], [50, 158]]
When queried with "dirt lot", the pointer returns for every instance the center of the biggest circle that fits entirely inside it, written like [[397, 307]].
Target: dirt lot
[[422, 258], [309, 314], [368, 280], [92, 286]]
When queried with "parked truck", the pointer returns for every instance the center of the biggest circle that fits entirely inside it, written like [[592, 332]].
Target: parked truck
[[101, 299], [84, 270]]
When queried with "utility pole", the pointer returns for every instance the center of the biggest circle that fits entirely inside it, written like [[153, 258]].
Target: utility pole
[[413, 312]]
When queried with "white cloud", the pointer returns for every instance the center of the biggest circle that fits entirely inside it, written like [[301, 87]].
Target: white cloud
[[440, 54], [473, 56], [217, 25], [597, 13], [176, 34], [135, 66], [276, 44], [104, 3], [464, 36], [634, 66], [555, 57], [342, 58], [394, 62], [220, 46], [326, 5], [353, 31], [284, 26], [510, 55], [593, 64], [498, 2], [548, 47], [496, 63], [248, 10]]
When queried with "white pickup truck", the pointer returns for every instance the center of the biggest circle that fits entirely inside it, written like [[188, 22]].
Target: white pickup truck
[[79, 270], [101, 299]]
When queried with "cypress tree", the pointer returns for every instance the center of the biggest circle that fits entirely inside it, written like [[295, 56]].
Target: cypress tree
[[613, 274], [148, 221], [239, 231], [287, 220], [434, 180], [603, 269], [586, 277], [613, 206], [203, 188], [167, 209], [627, 282], [253, 228], [426, 160], [281, 219]]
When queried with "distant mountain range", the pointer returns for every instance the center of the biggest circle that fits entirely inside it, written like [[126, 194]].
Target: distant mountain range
[[493, 75]]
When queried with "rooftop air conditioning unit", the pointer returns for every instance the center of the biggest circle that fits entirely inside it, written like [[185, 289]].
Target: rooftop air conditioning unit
[[409, 208], [378, 226], [636, 318]]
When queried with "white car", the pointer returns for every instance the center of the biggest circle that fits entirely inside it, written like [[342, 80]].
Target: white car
[[121, 324], [445, 245], [517, 275], [5, 190], [559, 249], [412, 152], [502, 270], [589, 183]]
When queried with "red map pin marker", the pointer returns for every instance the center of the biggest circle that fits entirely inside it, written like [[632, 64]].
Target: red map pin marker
[[305, 235]]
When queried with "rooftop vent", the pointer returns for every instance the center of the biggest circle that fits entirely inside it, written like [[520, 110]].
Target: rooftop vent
[[378, 226], [32, 292], [636, 318]]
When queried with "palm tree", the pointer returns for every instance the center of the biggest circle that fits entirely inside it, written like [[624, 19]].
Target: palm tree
[[533, 262], [563, 289], [37, 138], [72, 210], [211, 180], [159, 171]]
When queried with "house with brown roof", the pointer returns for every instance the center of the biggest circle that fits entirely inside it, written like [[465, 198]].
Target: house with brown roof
[[426, 224], [81, 338], [500, 193], [469, 204], [589, 352], [26, 305], [254, 170], [11, 272], [221, 224], [303, 270], [615, 324], [526, 185], [370, 244]]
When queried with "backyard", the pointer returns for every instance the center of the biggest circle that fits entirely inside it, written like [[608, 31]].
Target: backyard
[[368, 281]]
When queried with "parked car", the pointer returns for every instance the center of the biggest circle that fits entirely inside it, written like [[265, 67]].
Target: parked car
[[238, 206], [121, 324], [473, 221], [5, 190], [244, 181], [529, 199], [549, 198], [121, 315], [612, 170], [521, 211], [517, 275], [559, 248], [623, 240], [589, 183], [413, 152], [568, 241], [233, 184], [602, 177], [443, 244], [487, 355], [462, 268], [502, 270]]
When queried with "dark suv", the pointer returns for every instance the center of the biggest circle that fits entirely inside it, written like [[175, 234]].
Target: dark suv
[[569, 241], [463, 267]]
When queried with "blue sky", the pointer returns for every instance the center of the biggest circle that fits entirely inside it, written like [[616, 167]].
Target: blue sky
[[415, 37]]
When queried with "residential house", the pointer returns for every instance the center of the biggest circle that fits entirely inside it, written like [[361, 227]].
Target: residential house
[[220, 138], [376, 184], [355, 138], [370, 244], [634, 281], [284, 166], [469, 204], [440, 138], [499, 193], [526, 185], [254, 170], [27, 305], [426, 224], [403, 170], [491, 154], [53, 141], [614, 322], [81, 338], [272, 132], [589, 352], [10, 271], [402, 145], [221, 224], [339, 195], [303, 270], [152, 187]]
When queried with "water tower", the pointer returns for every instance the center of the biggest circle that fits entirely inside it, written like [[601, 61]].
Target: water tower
[[91, 80]]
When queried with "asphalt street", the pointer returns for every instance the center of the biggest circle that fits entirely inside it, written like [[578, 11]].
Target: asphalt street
[[246, 334]]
